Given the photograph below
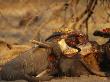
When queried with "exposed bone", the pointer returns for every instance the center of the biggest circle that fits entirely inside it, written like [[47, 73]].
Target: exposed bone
[[65, 48], [40, 44]]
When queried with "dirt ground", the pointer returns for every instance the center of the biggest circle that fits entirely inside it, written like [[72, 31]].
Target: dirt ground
[[83, 78]]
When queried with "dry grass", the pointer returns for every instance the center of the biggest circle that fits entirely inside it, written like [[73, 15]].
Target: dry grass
[[50, 17], [7, 54]]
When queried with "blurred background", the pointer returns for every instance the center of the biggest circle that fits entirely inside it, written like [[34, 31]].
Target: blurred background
[[24, 20]]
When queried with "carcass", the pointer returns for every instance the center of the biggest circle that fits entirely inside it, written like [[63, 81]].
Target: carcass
[[28, 65], [78, 64], [82, 65]]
